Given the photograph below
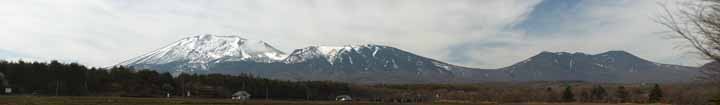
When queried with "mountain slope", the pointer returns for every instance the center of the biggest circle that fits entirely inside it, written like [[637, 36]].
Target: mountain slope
[[384, 64], [196, 53], [351, 63], [360, 63], [612, 66]]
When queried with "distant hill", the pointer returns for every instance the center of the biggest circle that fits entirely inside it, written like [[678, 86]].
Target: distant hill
[[612, 66], [5, 54], [8, 55]]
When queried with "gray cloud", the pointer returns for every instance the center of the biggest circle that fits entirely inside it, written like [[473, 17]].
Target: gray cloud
[[104, 32], [593, 27]]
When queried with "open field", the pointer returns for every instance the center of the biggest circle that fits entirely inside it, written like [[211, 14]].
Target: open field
[[576, 104], [34, 100]]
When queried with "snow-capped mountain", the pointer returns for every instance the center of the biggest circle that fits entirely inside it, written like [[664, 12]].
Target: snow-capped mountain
[[612, 66], [354, 63], [357, 63], [383, 57], [197, 52], [370, 63], [384, 64]]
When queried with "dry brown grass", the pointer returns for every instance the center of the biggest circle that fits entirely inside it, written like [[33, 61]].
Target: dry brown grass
[[36, 100], [39, 100]]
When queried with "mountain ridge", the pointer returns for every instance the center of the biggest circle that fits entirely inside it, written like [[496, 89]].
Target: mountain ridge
[[198, 51], [611, 66], [371, 63]]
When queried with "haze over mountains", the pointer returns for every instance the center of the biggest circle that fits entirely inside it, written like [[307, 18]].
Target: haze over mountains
[[385, 64], [4, 54], [611, 66], [8, 55]]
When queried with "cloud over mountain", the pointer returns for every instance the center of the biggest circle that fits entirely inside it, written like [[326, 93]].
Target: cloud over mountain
[[103, 32]]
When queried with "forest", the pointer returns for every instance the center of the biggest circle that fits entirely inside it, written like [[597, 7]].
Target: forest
[[58, 79], [72, 79]]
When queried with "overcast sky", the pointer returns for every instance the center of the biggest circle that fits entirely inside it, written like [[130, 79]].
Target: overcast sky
[[474, 33]]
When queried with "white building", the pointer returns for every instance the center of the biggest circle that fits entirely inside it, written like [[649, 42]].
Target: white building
[[8, 90], [241, 95], [343, 98]]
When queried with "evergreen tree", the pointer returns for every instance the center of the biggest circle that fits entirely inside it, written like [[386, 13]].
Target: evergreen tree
[[56, 78], [585, 96], [621, 94], [568, 95], [655, 94], [551, 97], [598, 93], [168, 89], [715, 100]]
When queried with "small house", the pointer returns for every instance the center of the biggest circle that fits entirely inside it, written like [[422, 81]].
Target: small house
[[241, 95], [343, 98], [8, 90]]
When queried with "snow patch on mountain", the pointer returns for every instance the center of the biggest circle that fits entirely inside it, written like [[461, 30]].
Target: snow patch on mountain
[[444, 66], [204, 49], [329, 53]]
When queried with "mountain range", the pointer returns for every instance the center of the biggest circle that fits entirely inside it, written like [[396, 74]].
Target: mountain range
[[372, 63], [5, 54], [611, 66], [8, 55]]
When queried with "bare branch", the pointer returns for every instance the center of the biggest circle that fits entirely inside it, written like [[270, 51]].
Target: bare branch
[[698, 25]]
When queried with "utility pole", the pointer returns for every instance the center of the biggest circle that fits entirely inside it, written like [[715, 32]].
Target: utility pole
[[307, 92], [267, 93], [87, 89], [57, 87]]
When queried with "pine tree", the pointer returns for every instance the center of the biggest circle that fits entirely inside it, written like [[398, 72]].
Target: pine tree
[[598, 93], [568, 95], [168, 89], [551, 96], [621, 94], [715, 100], [655, 94], [585, 96]]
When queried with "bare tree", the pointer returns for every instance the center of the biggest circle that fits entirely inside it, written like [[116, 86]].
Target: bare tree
[[698, 23]]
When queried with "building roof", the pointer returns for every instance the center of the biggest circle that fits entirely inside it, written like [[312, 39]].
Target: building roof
[[241, 93]]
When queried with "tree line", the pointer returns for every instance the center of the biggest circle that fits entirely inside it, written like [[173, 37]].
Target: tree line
[[59, 79], [598, 94], [559, 92]]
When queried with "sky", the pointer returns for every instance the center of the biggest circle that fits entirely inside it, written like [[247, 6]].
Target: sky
[[473, 33]]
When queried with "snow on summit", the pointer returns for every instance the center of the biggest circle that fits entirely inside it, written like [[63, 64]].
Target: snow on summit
[[371, 63], [330, 53], [208, 48]]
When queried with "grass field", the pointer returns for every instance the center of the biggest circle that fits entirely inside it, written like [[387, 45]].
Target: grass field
[[34, 100]]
